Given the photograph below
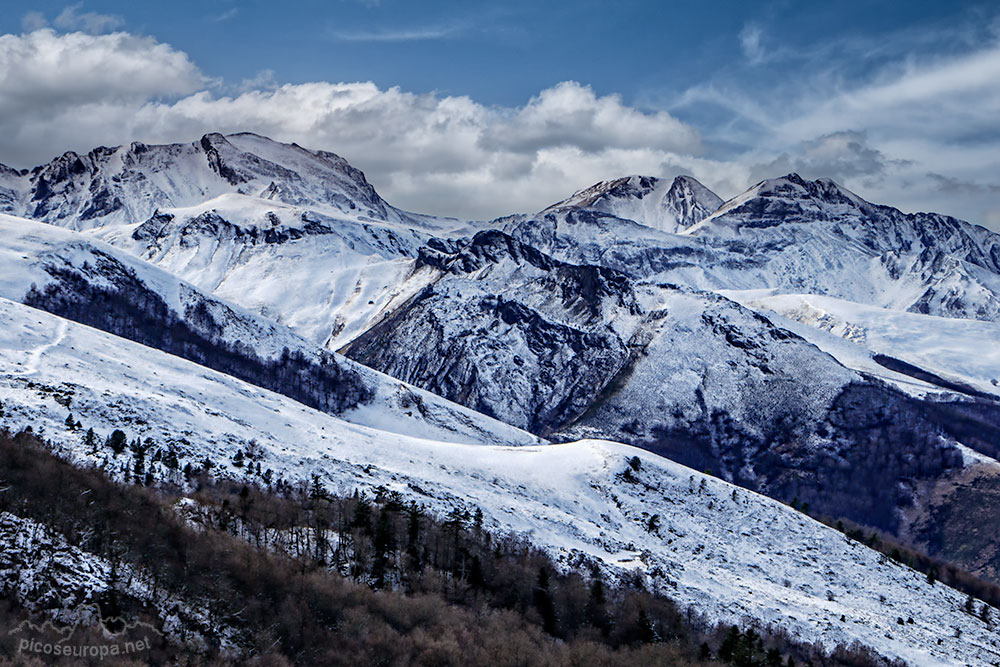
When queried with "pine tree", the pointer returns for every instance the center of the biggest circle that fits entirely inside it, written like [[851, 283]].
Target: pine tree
[[476, 578], [117, 442], [647, 631], [597, 614], [90, 441], [731, 643], [170, 460], [139, 466], [317, 491], [413, 535], [544, 603], [363, 515], [384, 543], [477, 521]]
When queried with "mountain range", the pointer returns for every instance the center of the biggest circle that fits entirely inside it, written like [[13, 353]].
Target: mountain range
[[795, 345]]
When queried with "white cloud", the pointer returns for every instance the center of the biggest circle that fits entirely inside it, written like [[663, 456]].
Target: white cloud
[[916, 112], [447, 154], [400, 35], [70, 18], [750, 43], [33, 21], [76, 88], [843, 156], [227, 15]]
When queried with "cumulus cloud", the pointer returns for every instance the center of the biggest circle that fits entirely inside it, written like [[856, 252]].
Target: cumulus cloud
[[43, 73], [447, 154], [842, 156], [64, 89]]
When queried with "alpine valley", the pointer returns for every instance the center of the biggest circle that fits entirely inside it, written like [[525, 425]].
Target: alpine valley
[[778, 414]]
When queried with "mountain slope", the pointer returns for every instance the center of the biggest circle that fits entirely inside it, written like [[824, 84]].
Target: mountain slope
[[249, 251], [730, 553], [240, 216], [958, 351], [574, 352], [75, 276]]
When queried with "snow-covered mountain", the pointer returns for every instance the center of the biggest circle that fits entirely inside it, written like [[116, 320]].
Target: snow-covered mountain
[[729, 553], [243, 217], [249, 251], [959, 352], [130, 183], [573, 352], [669, 206], [797, 236], [796, 339]]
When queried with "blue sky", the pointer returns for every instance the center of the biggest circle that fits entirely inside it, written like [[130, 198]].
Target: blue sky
[[480, 109]]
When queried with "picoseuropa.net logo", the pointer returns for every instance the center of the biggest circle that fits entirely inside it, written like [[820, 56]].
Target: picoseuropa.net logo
[[115, 637]]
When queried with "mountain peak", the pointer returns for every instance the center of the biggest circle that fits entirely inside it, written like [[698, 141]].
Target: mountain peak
[[127, 184], [666, 205], [788, 199]]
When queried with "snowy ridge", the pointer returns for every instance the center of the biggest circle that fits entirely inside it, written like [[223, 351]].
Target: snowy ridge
[[129, 184], [731, 553], [492, 322]]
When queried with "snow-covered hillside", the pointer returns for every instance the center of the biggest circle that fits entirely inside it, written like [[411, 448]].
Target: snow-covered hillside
[[250, 251], [40, 256], [731, 553], [796, 339], [959, 350], [541, 344], [241, 216]]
